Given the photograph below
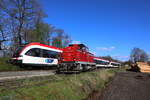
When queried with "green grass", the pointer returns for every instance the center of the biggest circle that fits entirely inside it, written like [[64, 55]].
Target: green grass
[[5, 66], [60, 87]]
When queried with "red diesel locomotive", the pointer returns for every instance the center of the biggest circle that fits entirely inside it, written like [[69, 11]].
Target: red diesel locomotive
[[76, 57]]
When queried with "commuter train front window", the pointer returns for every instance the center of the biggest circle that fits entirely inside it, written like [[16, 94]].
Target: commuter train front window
[[17, 52], [35, 52]]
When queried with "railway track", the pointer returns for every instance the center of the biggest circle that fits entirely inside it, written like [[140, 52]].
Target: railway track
[[24, 74], [11, 75], [17, 79]]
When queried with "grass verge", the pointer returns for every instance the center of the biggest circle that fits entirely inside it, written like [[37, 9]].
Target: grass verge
[[5, 66], [58, 87]]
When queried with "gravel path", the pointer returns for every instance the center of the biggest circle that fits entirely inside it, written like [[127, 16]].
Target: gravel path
[[24, 74], [128, 86]]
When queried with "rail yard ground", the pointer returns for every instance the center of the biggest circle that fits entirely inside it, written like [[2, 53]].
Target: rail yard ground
[[126, 86]]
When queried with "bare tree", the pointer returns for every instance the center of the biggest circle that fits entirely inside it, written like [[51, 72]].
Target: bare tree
[[5, 35], [137, 55], [67, 40], [23, 14], [21, 21]]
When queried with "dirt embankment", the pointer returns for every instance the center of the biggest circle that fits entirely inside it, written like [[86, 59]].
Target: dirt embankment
[[126, 86]]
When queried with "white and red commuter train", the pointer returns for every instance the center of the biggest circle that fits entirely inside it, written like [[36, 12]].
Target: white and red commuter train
[[114, 64], [101, 62], [36, 54], [75, 57]]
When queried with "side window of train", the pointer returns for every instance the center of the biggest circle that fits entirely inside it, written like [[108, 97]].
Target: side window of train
[[49, 54], [53, 54], [83, 48], [45, 53], [35, 52]]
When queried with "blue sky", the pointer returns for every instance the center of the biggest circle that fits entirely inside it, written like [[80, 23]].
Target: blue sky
[[107, 27]]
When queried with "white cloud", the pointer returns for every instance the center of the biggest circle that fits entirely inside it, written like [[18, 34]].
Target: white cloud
[[105, 48], [76, 42], [120, 57]]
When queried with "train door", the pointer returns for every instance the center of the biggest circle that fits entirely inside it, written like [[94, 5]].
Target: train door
[[33, 56]]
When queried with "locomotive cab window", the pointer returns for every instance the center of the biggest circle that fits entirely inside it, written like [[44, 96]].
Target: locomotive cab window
[[87, 49], [83, 47], [35, 52]]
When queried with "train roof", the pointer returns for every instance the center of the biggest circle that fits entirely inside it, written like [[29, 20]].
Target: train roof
[[115, 62], [44, 45], [98, 58], [106, 60], [36, 44]]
